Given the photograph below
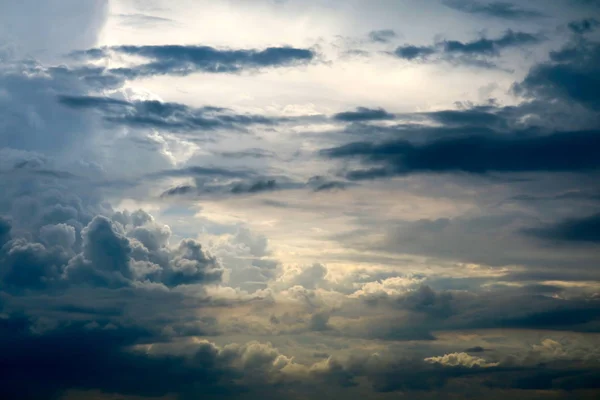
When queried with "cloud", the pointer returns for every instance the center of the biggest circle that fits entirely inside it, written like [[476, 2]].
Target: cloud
[[476, 52], [222, 185], [249, 153], [498, 9], [563, 151], [486, 46], [460, 359], [322, 185], [54, 22], [184, 60], [570, 75], [197, 171], [480, 116], [256, 187], [143, 20], [93, 356], [382, 36], [584, 230], [113, 253], [88, 292], [181, 190], [161, 115], [584, 26], [43, 126], [364, 114], [410, 52], [476, 349]]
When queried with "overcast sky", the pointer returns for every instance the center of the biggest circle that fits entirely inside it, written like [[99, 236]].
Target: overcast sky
[[299, 199]]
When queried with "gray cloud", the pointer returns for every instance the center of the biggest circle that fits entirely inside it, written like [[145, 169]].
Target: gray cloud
[[159, 115], [363, 114], [564, 151], [52, 37], [476, 52], [184, 60], [498, 9], [382, 36], [584, 26], [586, 229], [97, 299], [410, 52], [570, 75]]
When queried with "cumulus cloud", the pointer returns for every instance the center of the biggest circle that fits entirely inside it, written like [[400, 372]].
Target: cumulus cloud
[[571, 75]]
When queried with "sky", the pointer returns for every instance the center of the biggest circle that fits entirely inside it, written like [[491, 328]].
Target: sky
[[299, 199]]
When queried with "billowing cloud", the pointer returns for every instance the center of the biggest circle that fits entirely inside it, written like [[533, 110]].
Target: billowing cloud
[[571, 75]]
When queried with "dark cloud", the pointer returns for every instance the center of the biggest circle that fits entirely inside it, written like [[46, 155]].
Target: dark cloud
[[432, 311], [475, 52], [181, 190], [594, 3], [322, 184], [491, 47], [250, 153], [159, 115], [548, 379], [364, 114], [584, 26], [498, 9], [185, 60], [90, 356], [382, 36], [476, 349], [256, 187], [60, 244], [99, 356], [5, 228], [196, 171], [583, 230], [410, 52], [479, 117], [226, 186], [326, 186], [570, 75], [82, 286], [480, 240], [190, 265], [564, 151]]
